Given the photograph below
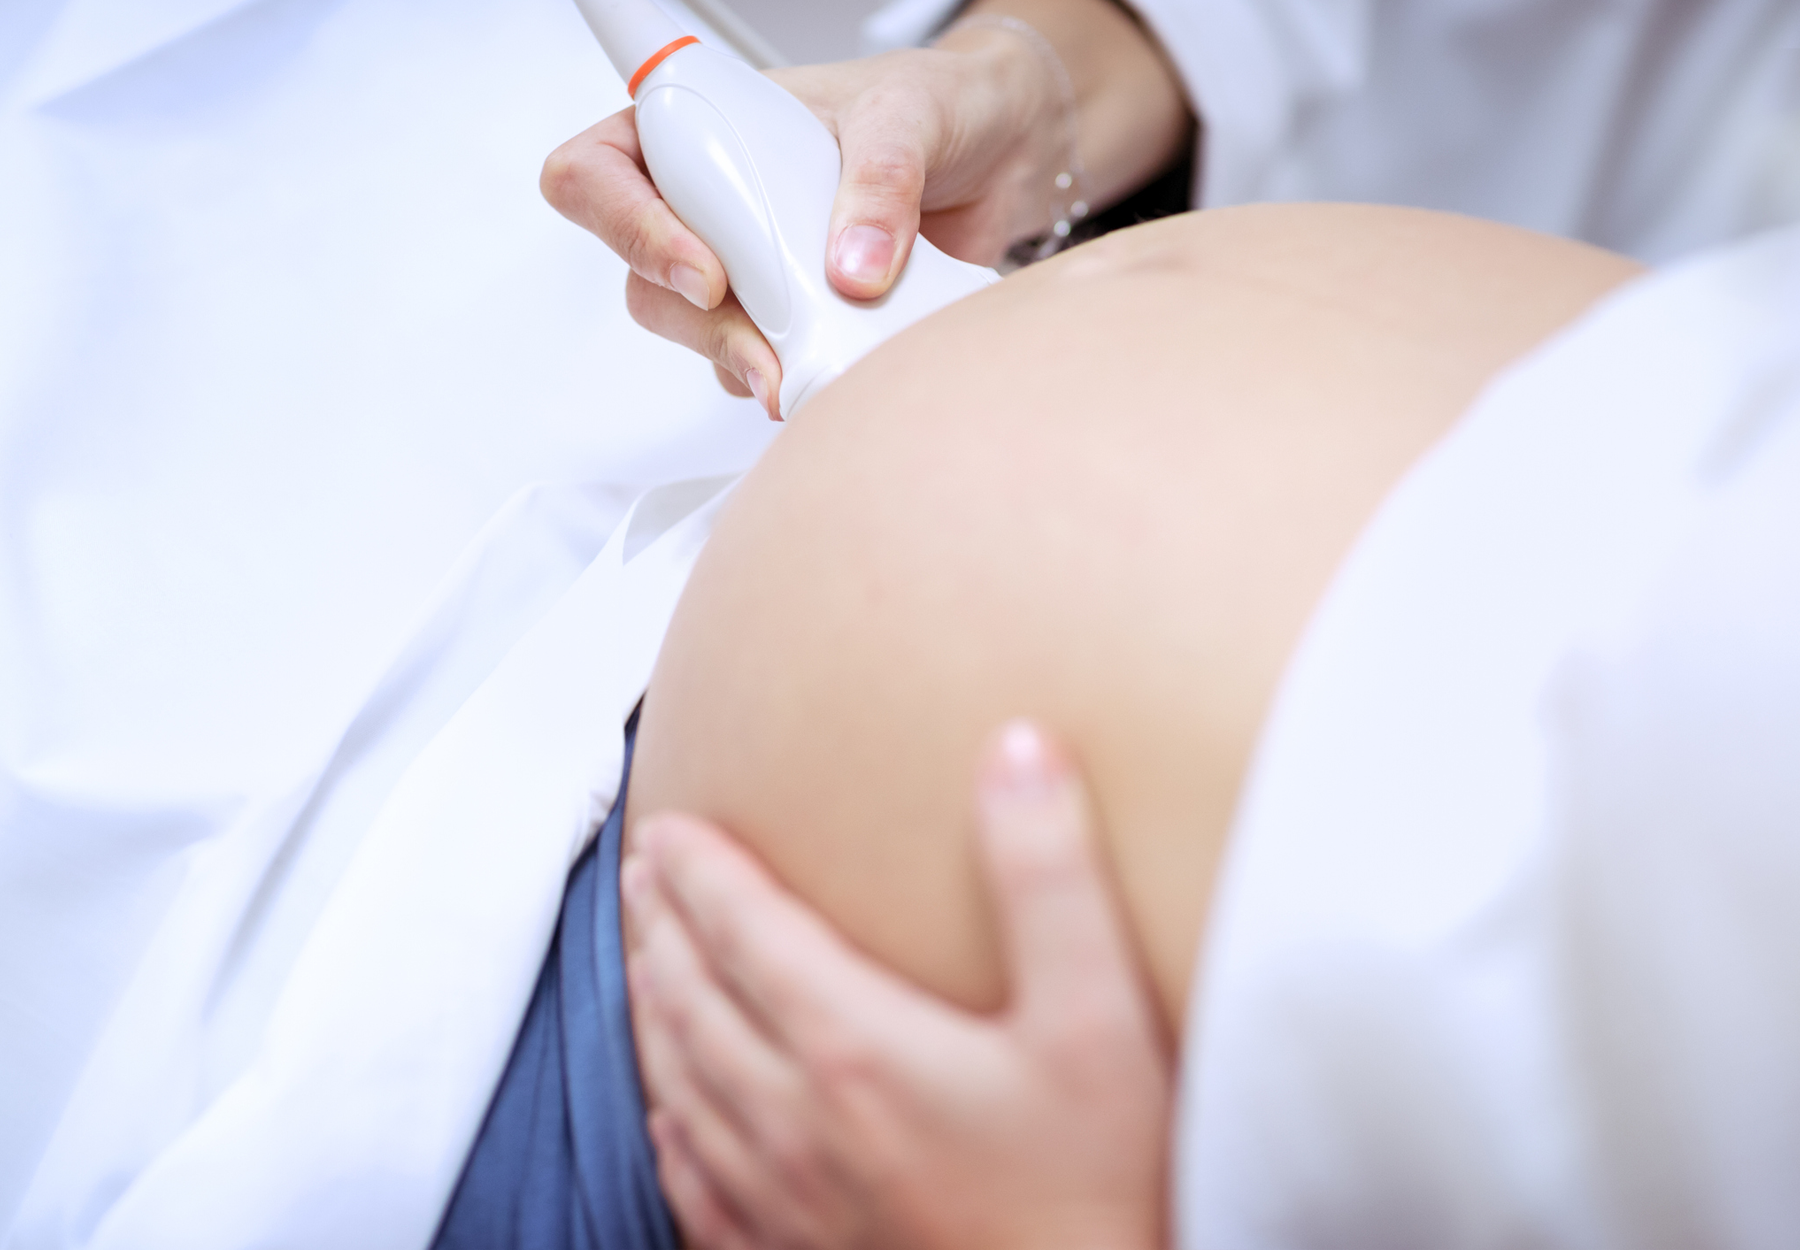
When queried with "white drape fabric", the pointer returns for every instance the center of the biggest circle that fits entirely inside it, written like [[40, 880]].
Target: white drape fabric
[[314, 421], [370, 1070], [1505, 948], [1653, 127]]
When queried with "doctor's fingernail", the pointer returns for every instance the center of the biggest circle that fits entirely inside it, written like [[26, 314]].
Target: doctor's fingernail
[[759, 386], [691, 283], [864, 253]]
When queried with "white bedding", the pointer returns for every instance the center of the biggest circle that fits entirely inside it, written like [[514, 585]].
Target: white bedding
[[310, 411]]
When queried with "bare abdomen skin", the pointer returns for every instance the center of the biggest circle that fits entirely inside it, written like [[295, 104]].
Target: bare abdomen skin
[[1106, 494]]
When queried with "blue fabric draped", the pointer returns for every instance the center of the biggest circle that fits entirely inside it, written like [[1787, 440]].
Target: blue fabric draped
[[563, 1160]]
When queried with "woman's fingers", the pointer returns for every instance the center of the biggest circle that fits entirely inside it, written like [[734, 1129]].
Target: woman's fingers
[[684, 1013], [707, 1220], [734, 1112], [1068, 954], [598, 181], [726, 336], [899, 1119], [790, 971], [710, 1145], [695, 1071]]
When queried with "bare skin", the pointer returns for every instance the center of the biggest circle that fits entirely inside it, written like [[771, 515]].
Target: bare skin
[[1105, 494]]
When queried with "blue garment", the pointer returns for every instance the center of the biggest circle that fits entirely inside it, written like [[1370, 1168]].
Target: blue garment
[[563, 1160]]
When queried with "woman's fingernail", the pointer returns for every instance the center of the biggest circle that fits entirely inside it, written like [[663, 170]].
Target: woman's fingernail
[[640, 986], [1022, 763], [656, 1123], [759, 386], [691, 283], [864, 253], [634, 884]]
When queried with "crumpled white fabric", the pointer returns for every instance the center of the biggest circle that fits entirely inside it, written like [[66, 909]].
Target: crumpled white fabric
[[1504, 952], [367, 1076], [314, 421], [1653, 127]]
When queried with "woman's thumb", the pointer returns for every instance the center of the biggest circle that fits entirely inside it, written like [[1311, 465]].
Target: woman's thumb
[[1065, 947]]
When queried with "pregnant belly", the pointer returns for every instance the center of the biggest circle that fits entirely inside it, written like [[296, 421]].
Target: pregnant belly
[[1106, 494]]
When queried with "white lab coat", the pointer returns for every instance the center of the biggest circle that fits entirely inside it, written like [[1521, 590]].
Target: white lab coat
[[1653, 127]]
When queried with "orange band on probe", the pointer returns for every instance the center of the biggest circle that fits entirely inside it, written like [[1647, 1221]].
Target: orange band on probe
[[656, 58]]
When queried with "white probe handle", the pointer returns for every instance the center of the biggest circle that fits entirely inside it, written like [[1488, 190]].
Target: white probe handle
[[750, 170]]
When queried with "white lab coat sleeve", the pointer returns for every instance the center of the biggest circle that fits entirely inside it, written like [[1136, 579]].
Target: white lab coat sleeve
[[1251, 67], [1652, 127], [1503, 950]]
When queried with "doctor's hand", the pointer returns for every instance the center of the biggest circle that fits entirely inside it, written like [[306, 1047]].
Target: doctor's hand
[[961, 141], [805, 1097]]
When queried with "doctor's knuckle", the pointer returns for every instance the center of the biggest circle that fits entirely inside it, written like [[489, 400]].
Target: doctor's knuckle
[[643, 302], [722, 341], [889, 171], [892, 105], [566, 177], [635, 237]]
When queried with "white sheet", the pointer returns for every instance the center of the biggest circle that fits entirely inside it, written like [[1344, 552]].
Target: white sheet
[[1504, 951], [310, 411], [342, 1117]]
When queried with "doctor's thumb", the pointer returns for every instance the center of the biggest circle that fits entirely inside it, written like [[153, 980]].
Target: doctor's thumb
[[1066, 951], [876, 214]]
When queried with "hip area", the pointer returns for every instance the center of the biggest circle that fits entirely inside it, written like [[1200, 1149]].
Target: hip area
[[1106, 494]]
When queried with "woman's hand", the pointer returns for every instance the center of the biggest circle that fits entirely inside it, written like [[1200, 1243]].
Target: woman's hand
[[804, 1096], [960, 141]]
